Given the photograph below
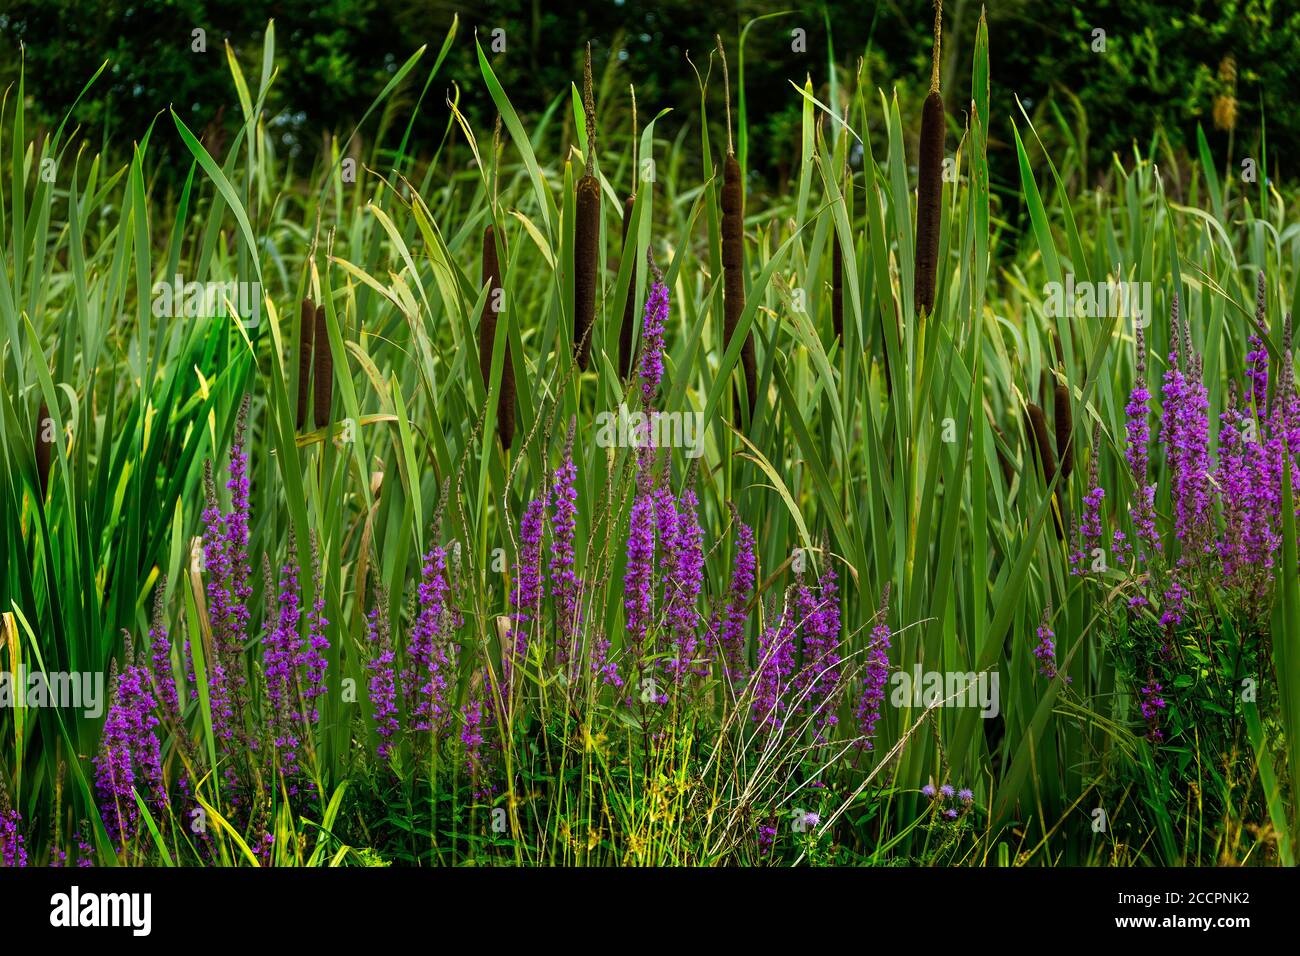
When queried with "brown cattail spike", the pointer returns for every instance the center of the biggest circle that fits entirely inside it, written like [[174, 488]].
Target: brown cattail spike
[[43, 447], [929, 186], [733, 265], [733, 247], [586, 235], [306, 335], [487, 331], [323, 373], [1036, 428], [1064, 421]]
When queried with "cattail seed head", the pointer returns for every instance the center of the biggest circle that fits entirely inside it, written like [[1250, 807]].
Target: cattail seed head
[[1064, 421], [1036, 430], [306, 335], [586, 251], [487, 330], [733, 265], [586, 235], [324, 371], [929, 186], [929, 202]]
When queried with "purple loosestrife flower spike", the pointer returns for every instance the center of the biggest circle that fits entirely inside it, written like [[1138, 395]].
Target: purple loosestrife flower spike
[[1137, 433], [13, 846], [652, 335], [236, 544], [1152, 702], [772, 675], [526, 597], [1045, 649], [684, 584], [1185, 432], [146, 748], [428, 664], [473, 717], [312, 661], [161, 659], [727, 636], [280, 652], [85, 855], [876, 677], [114, 772], [1090, 530], [383, 677], [216, 564], [566, 587], [818, 616], [638, 578]]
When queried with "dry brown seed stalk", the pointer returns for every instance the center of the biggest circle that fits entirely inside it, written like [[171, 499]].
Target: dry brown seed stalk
[[306, 335], [324, 371], [929, 186], [487, 330], [1064, 421], [586, 235]]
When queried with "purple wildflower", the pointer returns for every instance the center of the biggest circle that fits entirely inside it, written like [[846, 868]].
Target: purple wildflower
[[1090, 524], [566, 587], [1152, 702], [471, 737], [85, 855], [776, 653], [818, 616], [877, 675], [683, 584], [279, 662], [312, 660], [424, 680], [1137, 438], [383, 678], [651, 366], [726, 636], [1045, 650], [638, 579], [13, 846], [526, 596]]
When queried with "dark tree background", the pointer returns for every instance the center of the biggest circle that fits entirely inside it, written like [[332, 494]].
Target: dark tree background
[[1165, 67]]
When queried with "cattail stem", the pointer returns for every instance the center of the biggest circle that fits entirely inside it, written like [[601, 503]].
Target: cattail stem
[[324, 372], [929, 186], [586, 236], [733, 251], [306, 336]]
